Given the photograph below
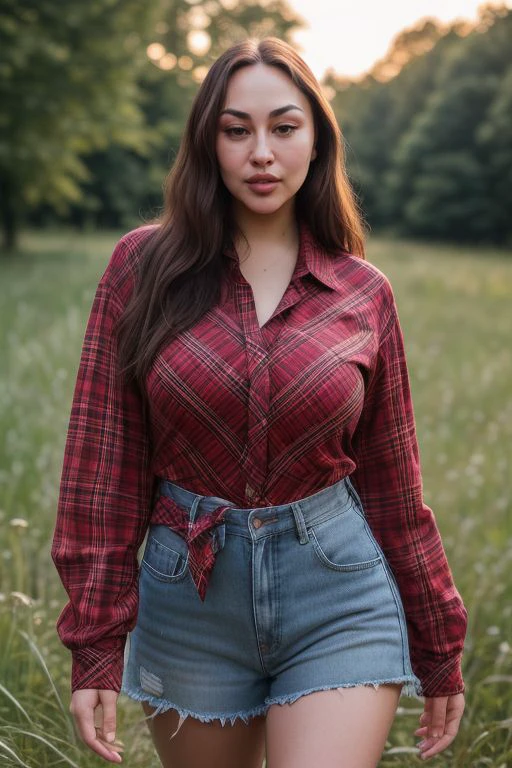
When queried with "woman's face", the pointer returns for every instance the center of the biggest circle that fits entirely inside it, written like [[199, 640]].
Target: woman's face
[[266, 126]]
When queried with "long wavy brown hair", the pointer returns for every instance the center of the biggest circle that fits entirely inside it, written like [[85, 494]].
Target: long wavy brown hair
[[181, 264]]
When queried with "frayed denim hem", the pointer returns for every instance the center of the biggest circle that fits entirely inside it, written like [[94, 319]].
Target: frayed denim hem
[[411, 687], [163, 705]]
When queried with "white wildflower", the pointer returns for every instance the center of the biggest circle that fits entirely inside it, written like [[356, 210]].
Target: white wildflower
[[19, 598], [18, 522]]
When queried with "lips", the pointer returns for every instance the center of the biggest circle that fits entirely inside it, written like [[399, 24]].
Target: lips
[[262, 178], [263, 187], [263, 183]]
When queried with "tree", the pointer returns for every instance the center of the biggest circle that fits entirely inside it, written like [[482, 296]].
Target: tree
[[446, 168], [430, 150], [376, 111], [493, 138], [185, 40], [410, 44], [68, 85]]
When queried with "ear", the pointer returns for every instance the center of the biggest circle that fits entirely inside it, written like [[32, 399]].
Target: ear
[[314, 154]]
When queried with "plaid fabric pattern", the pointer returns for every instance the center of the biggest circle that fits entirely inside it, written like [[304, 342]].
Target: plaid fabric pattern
[[257, 415], [202, 545]]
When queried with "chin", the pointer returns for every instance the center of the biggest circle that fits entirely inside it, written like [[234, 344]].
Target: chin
[[263, 206]]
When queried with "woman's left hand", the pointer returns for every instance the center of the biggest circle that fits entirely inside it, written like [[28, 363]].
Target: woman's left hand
[[439, 723]]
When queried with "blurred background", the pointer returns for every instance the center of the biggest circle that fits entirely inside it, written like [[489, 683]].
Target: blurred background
[[94, 96], [93, 99]]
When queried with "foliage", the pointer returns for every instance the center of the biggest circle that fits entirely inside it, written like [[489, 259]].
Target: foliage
[[90, 121], [431, 148], [180, 30], [95, 96], [68, 86]]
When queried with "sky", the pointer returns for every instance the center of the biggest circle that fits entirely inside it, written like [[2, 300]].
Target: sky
[[350, 35]]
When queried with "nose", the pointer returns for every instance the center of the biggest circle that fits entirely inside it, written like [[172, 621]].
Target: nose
[[262, 153]]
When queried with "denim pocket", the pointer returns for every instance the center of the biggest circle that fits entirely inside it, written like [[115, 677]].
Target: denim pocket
[[393, 584], [342, 543], [166, 554]]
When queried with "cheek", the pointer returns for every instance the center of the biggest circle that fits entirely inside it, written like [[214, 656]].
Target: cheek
[[228, 157], [299, 154]]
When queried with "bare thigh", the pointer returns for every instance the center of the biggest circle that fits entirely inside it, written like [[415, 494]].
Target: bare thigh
[[342, 728], [198, 744]]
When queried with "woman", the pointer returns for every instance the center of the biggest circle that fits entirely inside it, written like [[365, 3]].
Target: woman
[[243, 398]]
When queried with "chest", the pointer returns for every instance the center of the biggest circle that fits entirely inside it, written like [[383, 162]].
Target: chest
[[267, 293], [268, 283], [294, 373]]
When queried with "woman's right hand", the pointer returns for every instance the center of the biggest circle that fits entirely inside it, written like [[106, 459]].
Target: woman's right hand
[[94, 712]]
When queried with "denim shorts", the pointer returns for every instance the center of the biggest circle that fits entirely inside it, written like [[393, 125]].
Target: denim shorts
[[301, 599]]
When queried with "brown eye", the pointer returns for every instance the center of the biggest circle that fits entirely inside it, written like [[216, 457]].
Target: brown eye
[[286, 130], [236, 131]]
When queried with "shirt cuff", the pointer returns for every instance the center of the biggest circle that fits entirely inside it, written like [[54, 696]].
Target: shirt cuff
[[99, 666], [440, 679]]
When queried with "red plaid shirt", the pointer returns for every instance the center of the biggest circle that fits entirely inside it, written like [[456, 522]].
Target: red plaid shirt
[[259, 416]]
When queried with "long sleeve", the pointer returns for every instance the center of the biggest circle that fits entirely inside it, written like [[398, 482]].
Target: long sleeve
[[388, 481], [104, 504]]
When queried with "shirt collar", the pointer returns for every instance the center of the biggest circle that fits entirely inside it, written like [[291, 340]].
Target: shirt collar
[[315, 259], [312, 258]]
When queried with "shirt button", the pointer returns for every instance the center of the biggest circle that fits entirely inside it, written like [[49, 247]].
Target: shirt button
[[256, 522]]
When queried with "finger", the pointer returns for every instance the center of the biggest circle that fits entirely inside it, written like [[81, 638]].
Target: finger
[[437, 709], [430, 746], [435, 746], [108, 752], [114, 746], [107, 722], [425, 715], [84, 718]]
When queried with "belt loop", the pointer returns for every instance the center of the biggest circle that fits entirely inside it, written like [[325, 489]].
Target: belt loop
[[300, 523], [193, 509], [218, 537], [352, 493]]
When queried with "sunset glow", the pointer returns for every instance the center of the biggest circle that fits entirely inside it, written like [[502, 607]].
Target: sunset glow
[[351, 35]]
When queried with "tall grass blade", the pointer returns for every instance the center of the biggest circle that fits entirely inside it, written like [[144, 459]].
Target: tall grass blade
[[49, 744], [39, 656], [11, 753], [15, 701]]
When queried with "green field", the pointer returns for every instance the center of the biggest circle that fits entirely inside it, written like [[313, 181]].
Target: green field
[[455, 309]]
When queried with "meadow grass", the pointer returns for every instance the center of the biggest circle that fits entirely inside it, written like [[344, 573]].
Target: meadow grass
[[455, 310]]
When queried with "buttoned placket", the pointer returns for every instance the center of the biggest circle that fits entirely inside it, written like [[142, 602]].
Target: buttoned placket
[[259, 342]]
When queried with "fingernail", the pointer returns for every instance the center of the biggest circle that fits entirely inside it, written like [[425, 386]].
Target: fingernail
[[111, 736]]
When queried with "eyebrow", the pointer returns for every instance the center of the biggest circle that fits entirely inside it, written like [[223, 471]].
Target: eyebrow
[[274, 113]]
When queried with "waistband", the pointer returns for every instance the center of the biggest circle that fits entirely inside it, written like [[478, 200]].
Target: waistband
[[295, 514], [203, 521]]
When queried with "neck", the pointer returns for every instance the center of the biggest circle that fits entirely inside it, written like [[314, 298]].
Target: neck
[[278, 229]]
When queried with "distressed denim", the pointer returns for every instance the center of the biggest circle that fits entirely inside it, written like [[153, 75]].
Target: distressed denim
[[301, 599]]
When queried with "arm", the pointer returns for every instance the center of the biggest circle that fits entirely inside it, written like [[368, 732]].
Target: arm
[[104, 503], [388, 481]]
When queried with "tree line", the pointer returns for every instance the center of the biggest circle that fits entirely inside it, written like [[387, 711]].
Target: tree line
[[94, 95], [429, 132]]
